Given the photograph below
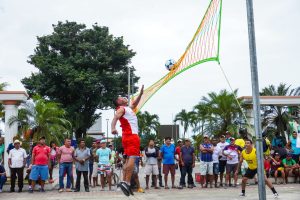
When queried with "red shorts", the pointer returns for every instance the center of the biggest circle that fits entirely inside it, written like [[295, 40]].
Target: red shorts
[[131, 145]]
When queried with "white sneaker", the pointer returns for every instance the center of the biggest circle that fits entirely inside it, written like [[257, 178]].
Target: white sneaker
[[276, 195]]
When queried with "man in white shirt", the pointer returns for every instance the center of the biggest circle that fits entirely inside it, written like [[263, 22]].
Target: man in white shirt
[[216, 154], [223, 160], [16, 161]]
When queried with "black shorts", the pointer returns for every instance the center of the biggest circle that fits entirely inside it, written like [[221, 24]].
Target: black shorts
[[231, 168], [222, 165], [250, 173], [279, 174]]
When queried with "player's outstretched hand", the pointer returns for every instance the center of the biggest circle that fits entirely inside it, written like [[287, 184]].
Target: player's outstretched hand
[[142, 89], [114, 132]]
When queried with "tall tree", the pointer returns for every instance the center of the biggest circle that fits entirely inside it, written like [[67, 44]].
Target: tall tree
[[42, 118], [185, 119], [224, 110], [278, 116], [82, 69], [148, 123]]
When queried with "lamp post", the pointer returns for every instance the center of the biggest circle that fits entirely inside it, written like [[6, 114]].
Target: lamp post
[[107, 129]]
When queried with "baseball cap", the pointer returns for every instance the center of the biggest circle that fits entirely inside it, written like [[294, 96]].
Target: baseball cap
[[205, 136], [289, 155], [276, 154], [222, 136], [103, 141], [179, 140], [187, 139], [17, 141], [231, 138]]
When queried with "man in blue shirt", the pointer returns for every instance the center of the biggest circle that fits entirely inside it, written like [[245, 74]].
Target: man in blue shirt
[[167, 153], [206, 161], [187, 156], [293, 144], [278, 141]]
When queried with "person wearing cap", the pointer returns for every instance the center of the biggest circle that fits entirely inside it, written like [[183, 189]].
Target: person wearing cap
[[81, 157], [40, 164], [206, 161], [232, 152], [104, 155], [187, 157], [223, 159], [249, 154], [65, 158], [178, 159], [151, 167], [276, 168], [216, 155], [227, 137], [290, 166], [16, 162]]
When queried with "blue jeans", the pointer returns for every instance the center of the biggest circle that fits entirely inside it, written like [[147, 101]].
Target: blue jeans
[[2, 181], [65, 168]]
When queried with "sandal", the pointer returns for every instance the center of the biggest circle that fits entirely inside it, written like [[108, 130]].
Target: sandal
[[166, 187], [124, 189]]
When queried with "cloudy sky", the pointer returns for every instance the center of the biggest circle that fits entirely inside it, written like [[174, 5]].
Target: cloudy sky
[[160, 30]]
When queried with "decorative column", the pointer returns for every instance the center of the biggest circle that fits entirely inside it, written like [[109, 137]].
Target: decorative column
[[11, 101]]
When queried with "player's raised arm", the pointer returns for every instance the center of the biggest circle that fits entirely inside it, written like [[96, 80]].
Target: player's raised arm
[[137, 100]]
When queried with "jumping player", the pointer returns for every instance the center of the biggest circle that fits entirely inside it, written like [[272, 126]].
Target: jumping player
[[130, 138], [249, 154]]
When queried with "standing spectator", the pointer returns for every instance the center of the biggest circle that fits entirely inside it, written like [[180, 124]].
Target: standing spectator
[[1, 150], [223, 159], [206, 161], [104, 154], [267, 165], [151, 164], [53, 159], [294, 149], [11, 145], [290, 165], [187, 156], [113, 154], [81, 156], [91, 161], [159, 162], [276, 168], [232, 152], [178, 159], [216, 154], [16, 162], [40, 162], [65, 158], [2, 177], [95, 163], [278, 140], [167, 152]]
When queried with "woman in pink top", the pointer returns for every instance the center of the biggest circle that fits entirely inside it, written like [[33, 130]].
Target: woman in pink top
[[65, 157]]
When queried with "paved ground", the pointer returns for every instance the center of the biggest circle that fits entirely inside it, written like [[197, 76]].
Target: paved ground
[[289, 191]]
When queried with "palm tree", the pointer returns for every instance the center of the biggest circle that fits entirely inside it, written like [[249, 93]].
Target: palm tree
[[42, 118], [185, 118], [201, 118], [147, 122], [224, 110], [2, 87], [277, 116]]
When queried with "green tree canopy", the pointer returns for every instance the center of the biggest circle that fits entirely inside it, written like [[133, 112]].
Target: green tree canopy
[[42, 118], [147, 122], [276, 118], [82, 69]]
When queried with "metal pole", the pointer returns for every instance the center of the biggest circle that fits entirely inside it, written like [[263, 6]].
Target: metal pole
[[107, 130], [256, 101], [128, 86]]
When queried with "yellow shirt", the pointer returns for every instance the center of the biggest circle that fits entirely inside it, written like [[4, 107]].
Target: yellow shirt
[[240, 142], [250, 158]]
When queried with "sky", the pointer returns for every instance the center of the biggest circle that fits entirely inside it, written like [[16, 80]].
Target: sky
[[158, 31]]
